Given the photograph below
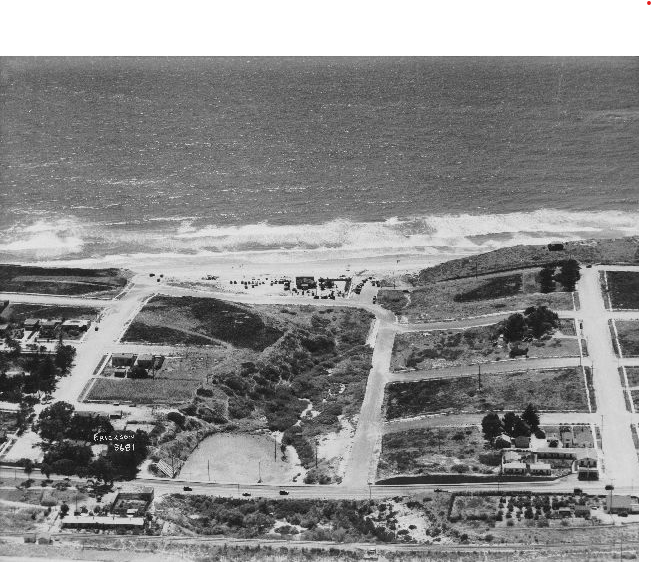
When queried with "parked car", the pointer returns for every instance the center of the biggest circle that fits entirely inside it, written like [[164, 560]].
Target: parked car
[[284, 493], [187, 489], [246, 494]]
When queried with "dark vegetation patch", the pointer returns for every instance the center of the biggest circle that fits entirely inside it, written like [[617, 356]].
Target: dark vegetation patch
[[19, 312], [551, 390], [623, 289], [628, 337], [392, 299], [493, 288]]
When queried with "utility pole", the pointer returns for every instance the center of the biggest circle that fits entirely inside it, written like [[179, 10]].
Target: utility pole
[[315, 453], [260, 478], [274, 449], [208, 467], [479, 381]]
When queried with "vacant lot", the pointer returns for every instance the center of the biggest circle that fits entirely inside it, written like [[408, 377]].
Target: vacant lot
[[623, 289], [471, 297], [202, 321], [440, 348], [548, 390], [142, 391], [627, 337], [632, 376], [438, 450], [619, 250], [62, 281]]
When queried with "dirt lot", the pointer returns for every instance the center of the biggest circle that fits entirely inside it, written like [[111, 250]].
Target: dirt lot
[[18, 312], [440, 450], [623, 289], [627, 337], [549, 390], [429, 350], [62, 281]]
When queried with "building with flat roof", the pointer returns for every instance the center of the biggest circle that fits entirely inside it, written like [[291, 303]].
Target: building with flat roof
[[105, 522], [514, 467], [122, 359], [145, 360]]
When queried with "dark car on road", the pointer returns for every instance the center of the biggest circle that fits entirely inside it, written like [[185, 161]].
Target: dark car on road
[[284, 493], [187, 489], [246, 494]]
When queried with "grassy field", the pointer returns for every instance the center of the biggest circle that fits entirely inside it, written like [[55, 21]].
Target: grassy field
[[202, 321], [18, 312], [623, 289], [615, 251], [471, 297], [438, 450], [440, 348], [627, 337], [62, 281], [142, 391], [548, 390]]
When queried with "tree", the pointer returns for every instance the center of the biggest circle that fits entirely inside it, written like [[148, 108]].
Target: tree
[[491, 426], [510, 420], [531, 417], [54, 421], [547, 279], [521, 429], [103, 469], [64, 510], [569, 274], [514, 327], [46, 469], [541, 320], [28, 465], [64, 357]]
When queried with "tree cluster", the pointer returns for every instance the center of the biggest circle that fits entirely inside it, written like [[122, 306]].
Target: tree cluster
[[62, 428], [568, 276], [513, 425], [536, 321]]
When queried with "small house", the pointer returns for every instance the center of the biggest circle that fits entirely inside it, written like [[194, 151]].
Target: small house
[[145, 360], [514, 467], [540, 469], [49, 329], [587, 465], [582, 511], [564, 512], [566, 437], [304, 283], [522, 442], [31, 324], [619, 504], [122, 359]]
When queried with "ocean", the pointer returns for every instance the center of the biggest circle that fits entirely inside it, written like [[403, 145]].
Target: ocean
[[110, 157]]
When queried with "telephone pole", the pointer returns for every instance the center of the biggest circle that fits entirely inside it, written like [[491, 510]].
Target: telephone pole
[[479, 381]]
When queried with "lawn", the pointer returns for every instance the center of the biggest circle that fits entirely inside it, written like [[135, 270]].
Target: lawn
[[471, 297], [549, 390], [437, 450], [623, 289], [627, 337], [62, 281], [441, 348], [142, 391]]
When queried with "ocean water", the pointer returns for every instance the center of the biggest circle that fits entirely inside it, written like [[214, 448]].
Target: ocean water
[[362, 156]]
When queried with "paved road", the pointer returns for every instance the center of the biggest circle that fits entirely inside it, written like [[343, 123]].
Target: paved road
[[621, 460], [486, 368]]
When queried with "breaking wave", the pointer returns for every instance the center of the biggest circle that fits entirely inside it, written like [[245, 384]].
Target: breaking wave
[[464, 233]]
